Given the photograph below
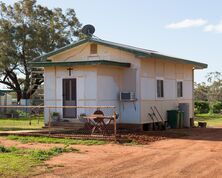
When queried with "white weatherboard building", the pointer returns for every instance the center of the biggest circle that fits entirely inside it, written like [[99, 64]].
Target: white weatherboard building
[[93, 72]]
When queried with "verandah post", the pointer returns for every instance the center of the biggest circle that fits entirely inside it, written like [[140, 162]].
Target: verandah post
[[49, 122], [114, 123]]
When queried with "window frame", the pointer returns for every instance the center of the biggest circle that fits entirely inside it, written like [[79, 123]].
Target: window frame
[[160, 94], [95, 50], [179, 94]]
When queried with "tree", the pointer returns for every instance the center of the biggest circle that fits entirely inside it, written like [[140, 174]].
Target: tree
[[28, 30], [215, 86], [201, 91]]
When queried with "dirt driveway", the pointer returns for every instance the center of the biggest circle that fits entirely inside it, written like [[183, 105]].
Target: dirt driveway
[[197, 155]]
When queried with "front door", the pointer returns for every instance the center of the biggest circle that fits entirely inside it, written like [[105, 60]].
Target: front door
[[69, 97]]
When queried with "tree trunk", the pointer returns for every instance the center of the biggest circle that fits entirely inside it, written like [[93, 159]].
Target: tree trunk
[[19, 96]]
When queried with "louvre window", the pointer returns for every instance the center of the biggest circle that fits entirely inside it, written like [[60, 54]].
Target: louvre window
[[93, 49], [179, 89], [160, 88]]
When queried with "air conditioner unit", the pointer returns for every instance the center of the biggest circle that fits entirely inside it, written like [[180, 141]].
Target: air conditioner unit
[[127, 96]]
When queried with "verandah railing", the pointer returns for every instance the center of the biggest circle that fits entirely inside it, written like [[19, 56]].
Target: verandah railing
[[92, 123]]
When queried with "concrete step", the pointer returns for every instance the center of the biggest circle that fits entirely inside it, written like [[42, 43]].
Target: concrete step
[[66, 125]]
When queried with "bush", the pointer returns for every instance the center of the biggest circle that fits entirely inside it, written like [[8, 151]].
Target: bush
[[22, 113], [3, 149], [216, 107], [42, 155], [201, 107]]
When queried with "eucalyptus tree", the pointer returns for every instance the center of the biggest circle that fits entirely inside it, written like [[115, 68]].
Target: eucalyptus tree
[[215, 86], [201, 91]]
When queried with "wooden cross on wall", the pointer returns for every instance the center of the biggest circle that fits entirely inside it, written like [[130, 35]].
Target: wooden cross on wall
[[70, 70]]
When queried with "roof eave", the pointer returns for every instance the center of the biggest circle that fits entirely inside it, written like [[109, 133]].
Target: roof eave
[[57, 51], [80, 63], [196, 65]]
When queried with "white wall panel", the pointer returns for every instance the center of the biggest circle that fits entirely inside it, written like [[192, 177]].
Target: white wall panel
[[187, 89], [129, 80], [188, 72], [91, 86], [80, 88], [169, 89], [130, 112], [159, 68], [170, 70], [49, 83], [59, 90], [108, 88], [148, 68], [148, 89]]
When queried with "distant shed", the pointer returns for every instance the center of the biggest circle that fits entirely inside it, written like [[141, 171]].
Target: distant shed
[[5, 97]]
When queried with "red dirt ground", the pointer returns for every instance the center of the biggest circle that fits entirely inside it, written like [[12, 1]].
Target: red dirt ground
[[199, 154]]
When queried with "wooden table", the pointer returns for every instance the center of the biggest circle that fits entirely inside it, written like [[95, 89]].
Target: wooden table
[[97, 122]]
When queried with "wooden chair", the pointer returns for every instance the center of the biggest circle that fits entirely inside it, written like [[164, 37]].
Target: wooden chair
[[107, 121], [99, 112], [83, 120], [98, 122]]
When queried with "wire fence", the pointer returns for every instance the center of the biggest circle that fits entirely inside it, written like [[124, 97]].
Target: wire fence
[[90, 120]]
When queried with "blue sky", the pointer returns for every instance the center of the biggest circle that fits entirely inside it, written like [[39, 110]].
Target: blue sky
[[190, 29]]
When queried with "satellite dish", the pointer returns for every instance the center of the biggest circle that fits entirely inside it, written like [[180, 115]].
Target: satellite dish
[[88, 30]]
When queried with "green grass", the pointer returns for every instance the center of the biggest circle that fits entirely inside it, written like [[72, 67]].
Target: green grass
[[213, 120], [15, 162], [20, 124], [131, 143], [66, 141]]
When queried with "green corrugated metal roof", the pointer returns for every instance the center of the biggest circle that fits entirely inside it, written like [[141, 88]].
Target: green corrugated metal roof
[[79, 63], [6, 90], [3, 92], [137, 51]]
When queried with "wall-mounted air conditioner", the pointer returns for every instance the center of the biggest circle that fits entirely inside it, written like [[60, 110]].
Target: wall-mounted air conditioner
[[127, 96]]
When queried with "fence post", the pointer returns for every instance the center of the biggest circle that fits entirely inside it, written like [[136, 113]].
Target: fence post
[[49, 122], [114, 123]]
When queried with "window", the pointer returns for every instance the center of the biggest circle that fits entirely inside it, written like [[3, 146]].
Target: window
[[160, 92], [179, 89], [93, 48]]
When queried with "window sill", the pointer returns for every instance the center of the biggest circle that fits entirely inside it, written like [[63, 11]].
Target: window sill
[[93, 55], [160, 98]]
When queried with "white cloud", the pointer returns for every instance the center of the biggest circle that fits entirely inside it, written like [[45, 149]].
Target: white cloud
[[187, 23], [214, 28]]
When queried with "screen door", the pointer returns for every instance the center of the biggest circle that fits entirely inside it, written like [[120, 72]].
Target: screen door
[[69, 98]]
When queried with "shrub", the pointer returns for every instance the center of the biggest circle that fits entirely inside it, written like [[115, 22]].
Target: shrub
[[201, 107], [43, 155], [55, 114], [22, 113], [3, 149], [216, 107]]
